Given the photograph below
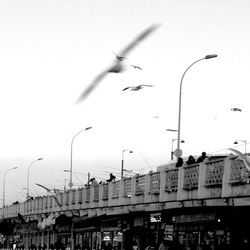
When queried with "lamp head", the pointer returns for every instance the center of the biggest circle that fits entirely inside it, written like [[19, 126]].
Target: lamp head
[[182, 141], [210, 56], [15, 168], [171, 130], [39, 159], [130, 151], [235, 142], [88, 128]]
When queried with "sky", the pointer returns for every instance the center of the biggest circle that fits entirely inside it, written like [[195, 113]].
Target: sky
[[51, 50]]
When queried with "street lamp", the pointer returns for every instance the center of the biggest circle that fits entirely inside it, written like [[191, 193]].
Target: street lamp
[[245, 142], [171, 130], [122, 167], [28, 175], [172, 148], [4, 183], [71, 155], [178, 152]]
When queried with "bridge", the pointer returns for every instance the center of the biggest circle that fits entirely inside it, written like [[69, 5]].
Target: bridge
[[173, 199]]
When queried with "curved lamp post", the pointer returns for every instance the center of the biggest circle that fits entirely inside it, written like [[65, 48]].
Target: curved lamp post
[[122, 167], [71, 155], [28, 175], [178, 153], [4, 183], [245, 142]]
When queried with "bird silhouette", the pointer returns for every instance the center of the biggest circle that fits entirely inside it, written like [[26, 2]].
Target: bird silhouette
[[136, 67], [119, 58], [242, 157], [116, 66], [136, 88], [52, 193], [236, 109]]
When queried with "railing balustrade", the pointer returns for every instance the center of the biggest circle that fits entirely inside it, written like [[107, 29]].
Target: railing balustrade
[[80, 195], [115, 189], [105, 194], [140, 184], [87, 198], [96, 193], [171, 180], [214, 172], [127, 187], [73, 200], [191, 176], [154, 187], [238, 172], [212, 179]]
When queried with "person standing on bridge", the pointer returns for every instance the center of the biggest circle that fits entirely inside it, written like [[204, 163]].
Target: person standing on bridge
[[202, 157], [191, 160]]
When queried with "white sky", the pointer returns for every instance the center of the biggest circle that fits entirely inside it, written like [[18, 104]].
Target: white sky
[[51, 50]]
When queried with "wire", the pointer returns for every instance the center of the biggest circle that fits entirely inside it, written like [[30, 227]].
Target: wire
[[145, 160]]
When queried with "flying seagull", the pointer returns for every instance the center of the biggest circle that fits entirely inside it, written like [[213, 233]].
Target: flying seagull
[[136, 88], [242, 157], [119, 58], [51, 193], [116, 66], [136, 67], [236, 109]]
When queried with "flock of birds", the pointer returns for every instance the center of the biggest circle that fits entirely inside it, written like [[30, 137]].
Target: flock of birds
[[118, 65]]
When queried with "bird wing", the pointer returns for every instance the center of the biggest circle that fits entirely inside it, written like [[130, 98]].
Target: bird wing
[[47, 189], [126, 88], [92, 86], [146, 85], [57, 201], [50, 194], [138, 39], [116, 67], [243, 157]]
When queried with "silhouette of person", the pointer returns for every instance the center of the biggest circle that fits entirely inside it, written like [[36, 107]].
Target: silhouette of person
[[179, 162], [111, 177], [190, 160], [93, 182], [202, 157]]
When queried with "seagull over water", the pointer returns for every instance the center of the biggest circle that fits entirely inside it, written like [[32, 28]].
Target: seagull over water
[[136, 88], [116, 66]]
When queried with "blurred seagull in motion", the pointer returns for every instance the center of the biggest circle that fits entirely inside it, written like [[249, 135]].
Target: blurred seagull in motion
[[136, 67], [51, 193], [117, 66], [136, 88], [236, 109], [242, 157], [119, 58]]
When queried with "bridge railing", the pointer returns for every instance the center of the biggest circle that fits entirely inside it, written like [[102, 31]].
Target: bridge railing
[[222, 178]]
